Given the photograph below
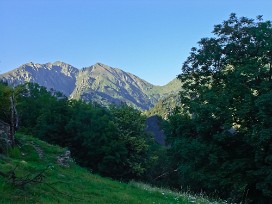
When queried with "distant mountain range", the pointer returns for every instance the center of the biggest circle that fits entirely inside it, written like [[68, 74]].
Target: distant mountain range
[[98, 83]]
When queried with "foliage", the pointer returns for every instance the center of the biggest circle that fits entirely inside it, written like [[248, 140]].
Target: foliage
[[130, 125], [165, 106], [220, 138], [107, 141], [5, 93], [8, 117], [92, 136], [33, 101]]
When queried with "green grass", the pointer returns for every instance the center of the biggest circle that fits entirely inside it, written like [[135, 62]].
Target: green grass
[[73, 184]]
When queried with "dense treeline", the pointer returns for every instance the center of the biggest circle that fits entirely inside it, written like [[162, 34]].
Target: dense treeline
[[221, 136], [112, 142]]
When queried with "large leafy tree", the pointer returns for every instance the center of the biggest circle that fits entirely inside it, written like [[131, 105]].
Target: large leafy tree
[[6, 139], [33, 100], [8, 111], [93, 138], [5, 94], [221, 137], [130, 125]]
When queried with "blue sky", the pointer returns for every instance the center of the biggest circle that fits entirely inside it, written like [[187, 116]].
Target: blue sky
[[149, 38]]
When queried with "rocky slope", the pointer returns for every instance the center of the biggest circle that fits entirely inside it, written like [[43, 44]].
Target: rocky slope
[[59, 76], [98, 83]]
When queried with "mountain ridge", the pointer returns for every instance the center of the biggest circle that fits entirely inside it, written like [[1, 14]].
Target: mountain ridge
[[98, 83]]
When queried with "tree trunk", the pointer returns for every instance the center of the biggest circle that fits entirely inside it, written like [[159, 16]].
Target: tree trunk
[[13, 120]]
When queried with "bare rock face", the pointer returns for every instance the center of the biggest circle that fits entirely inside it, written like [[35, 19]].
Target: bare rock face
[[58, 76], [98, 83]]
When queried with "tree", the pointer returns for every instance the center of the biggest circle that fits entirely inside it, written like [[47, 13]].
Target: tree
[[92, 136], [32, 100], [220, 139], [8, 111], [130, 124], [5, 93]]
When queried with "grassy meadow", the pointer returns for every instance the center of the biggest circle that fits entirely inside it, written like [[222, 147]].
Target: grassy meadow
[[72, 184]]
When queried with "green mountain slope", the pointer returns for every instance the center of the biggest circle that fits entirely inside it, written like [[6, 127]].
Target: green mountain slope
[[98, 83], [70, 184], [163, 109], [106, 85], [165, 106]]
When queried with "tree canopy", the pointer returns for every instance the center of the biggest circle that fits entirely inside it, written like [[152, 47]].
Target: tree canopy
[[112, 142], [221, 136]]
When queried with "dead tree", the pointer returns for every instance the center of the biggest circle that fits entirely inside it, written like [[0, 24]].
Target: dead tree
[[13, 120]]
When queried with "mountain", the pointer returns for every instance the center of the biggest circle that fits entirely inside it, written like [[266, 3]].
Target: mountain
[[98, 83], [153, 125], [59, 76], [162, 109], [165, 106]]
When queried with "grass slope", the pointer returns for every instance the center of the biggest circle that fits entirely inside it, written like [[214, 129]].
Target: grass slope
[[72, 184]]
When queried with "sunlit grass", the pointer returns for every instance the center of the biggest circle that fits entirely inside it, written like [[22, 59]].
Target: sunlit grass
[[74, 184]]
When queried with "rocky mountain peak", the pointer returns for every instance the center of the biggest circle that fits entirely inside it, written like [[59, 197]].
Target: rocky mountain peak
[[98, 83]]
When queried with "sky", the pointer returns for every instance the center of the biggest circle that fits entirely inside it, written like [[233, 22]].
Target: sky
[[148, 38]]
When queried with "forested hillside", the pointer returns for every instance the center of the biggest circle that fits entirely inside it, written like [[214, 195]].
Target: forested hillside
[[165, 107]]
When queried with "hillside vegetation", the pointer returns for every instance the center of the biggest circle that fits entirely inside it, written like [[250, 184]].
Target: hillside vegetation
[[165, 107], [71, 184]]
